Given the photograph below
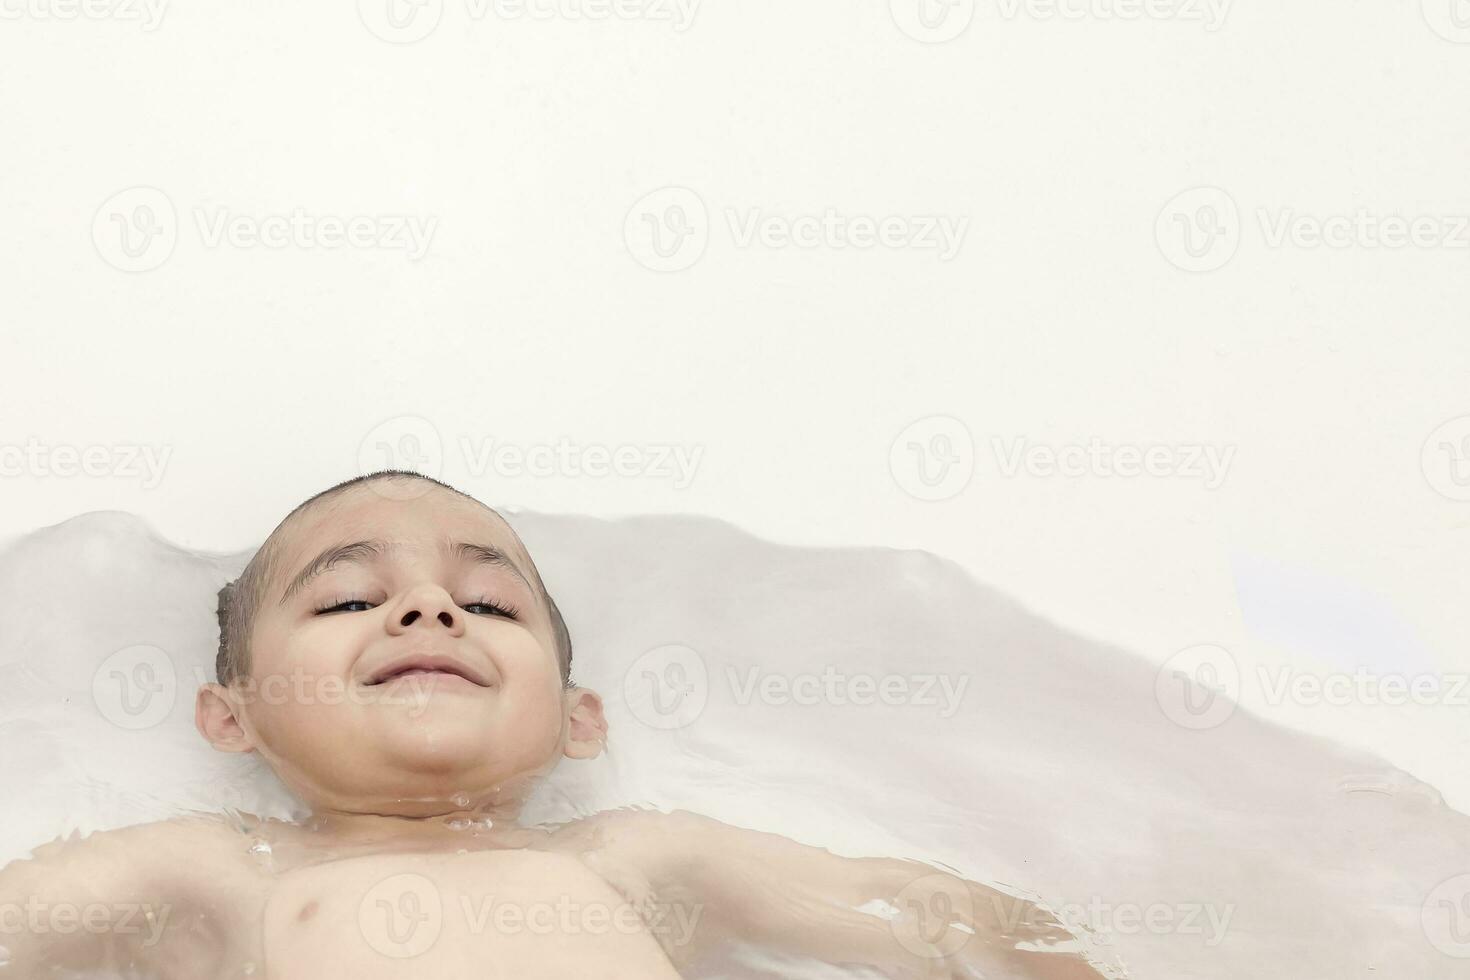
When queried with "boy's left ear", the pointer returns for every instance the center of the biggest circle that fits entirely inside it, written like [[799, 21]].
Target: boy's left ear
[[587, 733]]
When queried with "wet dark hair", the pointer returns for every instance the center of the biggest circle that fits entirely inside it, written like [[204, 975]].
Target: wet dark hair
[[240, 601]]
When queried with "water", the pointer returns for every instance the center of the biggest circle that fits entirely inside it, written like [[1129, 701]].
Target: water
[[743, 680]]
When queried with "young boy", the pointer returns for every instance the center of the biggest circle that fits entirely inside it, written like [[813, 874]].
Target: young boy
[[393, 654]]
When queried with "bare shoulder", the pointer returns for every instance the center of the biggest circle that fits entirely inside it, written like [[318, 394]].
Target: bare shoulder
[[201, 846], [669, 850], [195, 831], [635, 831]]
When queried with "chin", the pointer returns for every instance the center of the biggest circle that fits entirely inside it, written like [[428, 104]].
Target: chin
[[475, 750]]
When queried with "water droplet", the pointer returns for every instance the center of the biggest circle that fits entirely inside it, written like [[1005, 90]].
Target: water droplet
[[260, 848], [461, 799], [459, 823]]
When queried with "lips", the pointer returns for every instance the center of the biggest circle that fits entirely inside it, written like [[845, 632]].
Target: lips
[[429, 666]]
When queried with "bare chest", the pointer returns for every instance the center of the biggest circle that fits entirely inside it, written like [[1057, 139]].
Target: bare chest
[[484, 914]]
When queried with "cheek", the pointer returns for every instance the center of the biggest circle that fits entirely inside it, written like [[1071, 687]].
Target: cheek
[[306, 665], [284, 714], [522, 657], [532, 697]]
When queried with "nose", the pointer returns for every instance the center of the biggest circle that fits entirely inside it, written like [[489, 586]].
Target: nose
[[426, 607]]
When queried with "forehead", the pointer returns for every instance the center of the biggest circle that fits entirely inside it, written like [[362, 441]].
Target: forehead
[[412, 518]]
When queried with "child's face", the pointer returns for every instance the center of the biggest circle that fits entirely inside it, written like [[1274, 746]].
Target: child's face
[[318, 706]]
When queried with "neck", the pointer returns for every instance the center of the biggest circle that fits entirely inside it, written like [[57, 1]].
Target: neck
[[354, 826]]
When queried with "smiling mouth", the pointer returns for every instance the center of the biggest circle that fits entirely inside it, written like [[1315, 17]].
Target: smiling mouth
[[424, 667]]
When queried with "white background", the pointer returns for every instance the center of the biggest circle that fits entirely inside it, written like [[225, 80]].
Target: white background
[[1067, 315]]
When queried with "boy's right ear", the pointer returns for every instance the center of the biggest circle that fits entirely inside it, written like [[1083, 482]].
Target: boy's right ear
[[214, 716]]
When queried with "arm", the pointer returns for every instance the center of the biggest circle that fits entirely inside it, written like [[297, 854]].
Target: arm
[[903, 918]]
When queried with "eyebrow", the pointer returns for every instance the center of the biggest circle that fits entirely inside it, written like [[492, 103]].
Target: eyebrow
[[371, 551]]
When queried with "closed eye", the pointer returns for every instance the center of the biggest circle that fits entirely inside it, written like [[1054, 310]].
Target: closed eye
[[495, 608], [342, 607], [491, 608]]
